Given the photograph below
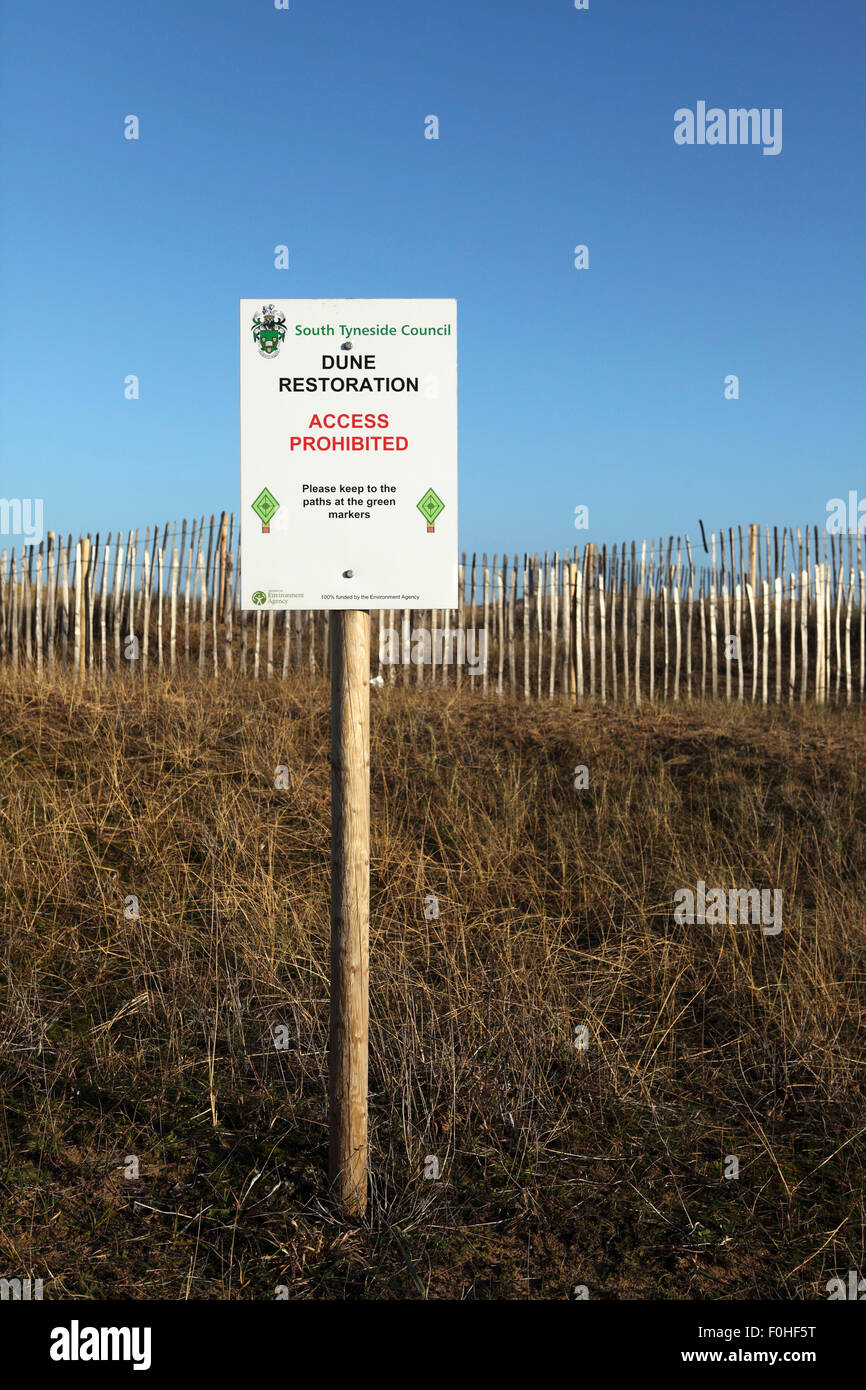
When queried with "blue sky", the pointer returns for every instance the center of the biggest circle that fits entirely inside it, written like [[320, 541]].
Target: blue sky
[[602, 387]]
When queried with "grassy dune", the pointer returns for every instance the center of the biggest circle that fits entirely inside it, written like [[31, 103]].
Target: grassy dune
[[154, 1037]]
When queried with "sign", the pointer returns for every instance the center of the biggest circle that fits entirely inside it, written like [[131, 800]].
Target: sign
[[348, 453]]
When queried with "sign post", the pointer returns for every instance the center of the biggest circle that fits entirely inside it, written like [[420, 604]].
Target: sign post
[[350, 908], [348, 447]]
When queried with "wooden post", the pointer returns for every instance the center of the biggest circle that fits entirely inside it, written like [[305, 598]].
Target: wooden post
[[223, 543], [350, 907], [230, 596], [406, 633], [76, 601], [217, 591], [209, 554], [679, 639], [567, 674], [701, 586], [26, 586], [39, 611], [819, 634], [726, 622], [3, 601], [625, 589], [472, 593], [202, 605], [839, 583], [228, 613], [850, 599], [189, 567], [691, 617], [13, 610], [862, 611], [242, 619], [172, 641], [602, 623], [526, 573], [89, 591], [512, 654], [160, 558], [51, 598], [828, 617], [575, 602], [145, 588], [287, 641], [793, 637], [639, 623], [554, 619], [589, 562], [445, 631], [755, 656], [272, 616], [117, 597], [667, 585], [714, 656], [82, 565], [777, 614], [738, 620], [487, 615], [804, 629], [103, 603], [130, 610], [135, 607], [652, 624], [765, 651], [501, 579], [460, 618], [539, 622]]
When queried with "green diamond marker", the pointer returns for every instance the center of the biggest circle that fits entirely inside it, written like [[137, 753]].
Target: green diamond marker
[[265, 507], [430, 506]]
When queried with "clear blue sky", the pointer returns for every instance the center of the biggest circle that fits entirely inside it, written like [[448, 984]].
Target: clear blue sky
[[602, 387]]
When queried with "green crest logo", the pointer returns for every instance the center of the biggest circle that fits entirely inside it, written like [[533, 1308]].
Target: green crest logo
[[259, 596], [269, 330]]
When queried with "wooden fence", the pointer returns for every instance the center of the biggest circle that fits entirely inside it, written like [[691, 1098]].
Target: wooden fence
[[774, 619]]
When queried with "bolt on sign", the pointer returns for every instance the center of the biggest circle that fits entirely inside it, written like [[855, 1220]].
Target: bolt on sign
[[348, 453]]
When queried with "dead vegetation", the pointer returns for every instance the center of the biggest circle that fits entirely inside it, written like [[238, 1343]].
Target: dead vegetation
[[191, 1037]]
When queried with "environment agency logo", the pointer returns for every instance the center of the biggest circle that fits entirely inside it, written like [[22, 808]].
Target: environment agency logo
[[269, 330], [259, 597]]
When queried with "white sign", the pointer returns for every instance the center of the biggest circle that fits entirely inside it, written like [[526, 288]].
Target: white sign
[[348, 453]]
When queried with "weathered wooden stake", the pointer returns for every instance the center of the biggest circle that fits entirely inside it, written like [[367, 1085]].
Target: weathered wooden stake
[[350, 907]]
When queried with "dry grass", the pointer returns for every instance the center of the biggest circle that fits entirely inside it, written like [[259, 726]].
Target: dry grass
[[155, 1037]]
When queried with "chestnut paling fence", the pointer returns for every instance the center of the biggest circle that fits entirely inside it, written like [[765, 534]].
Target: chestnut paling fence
[[764, 617]]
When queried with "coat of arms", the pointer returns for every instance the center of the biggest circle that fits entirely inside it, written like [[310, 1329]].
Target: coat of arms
[[269, 330]]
